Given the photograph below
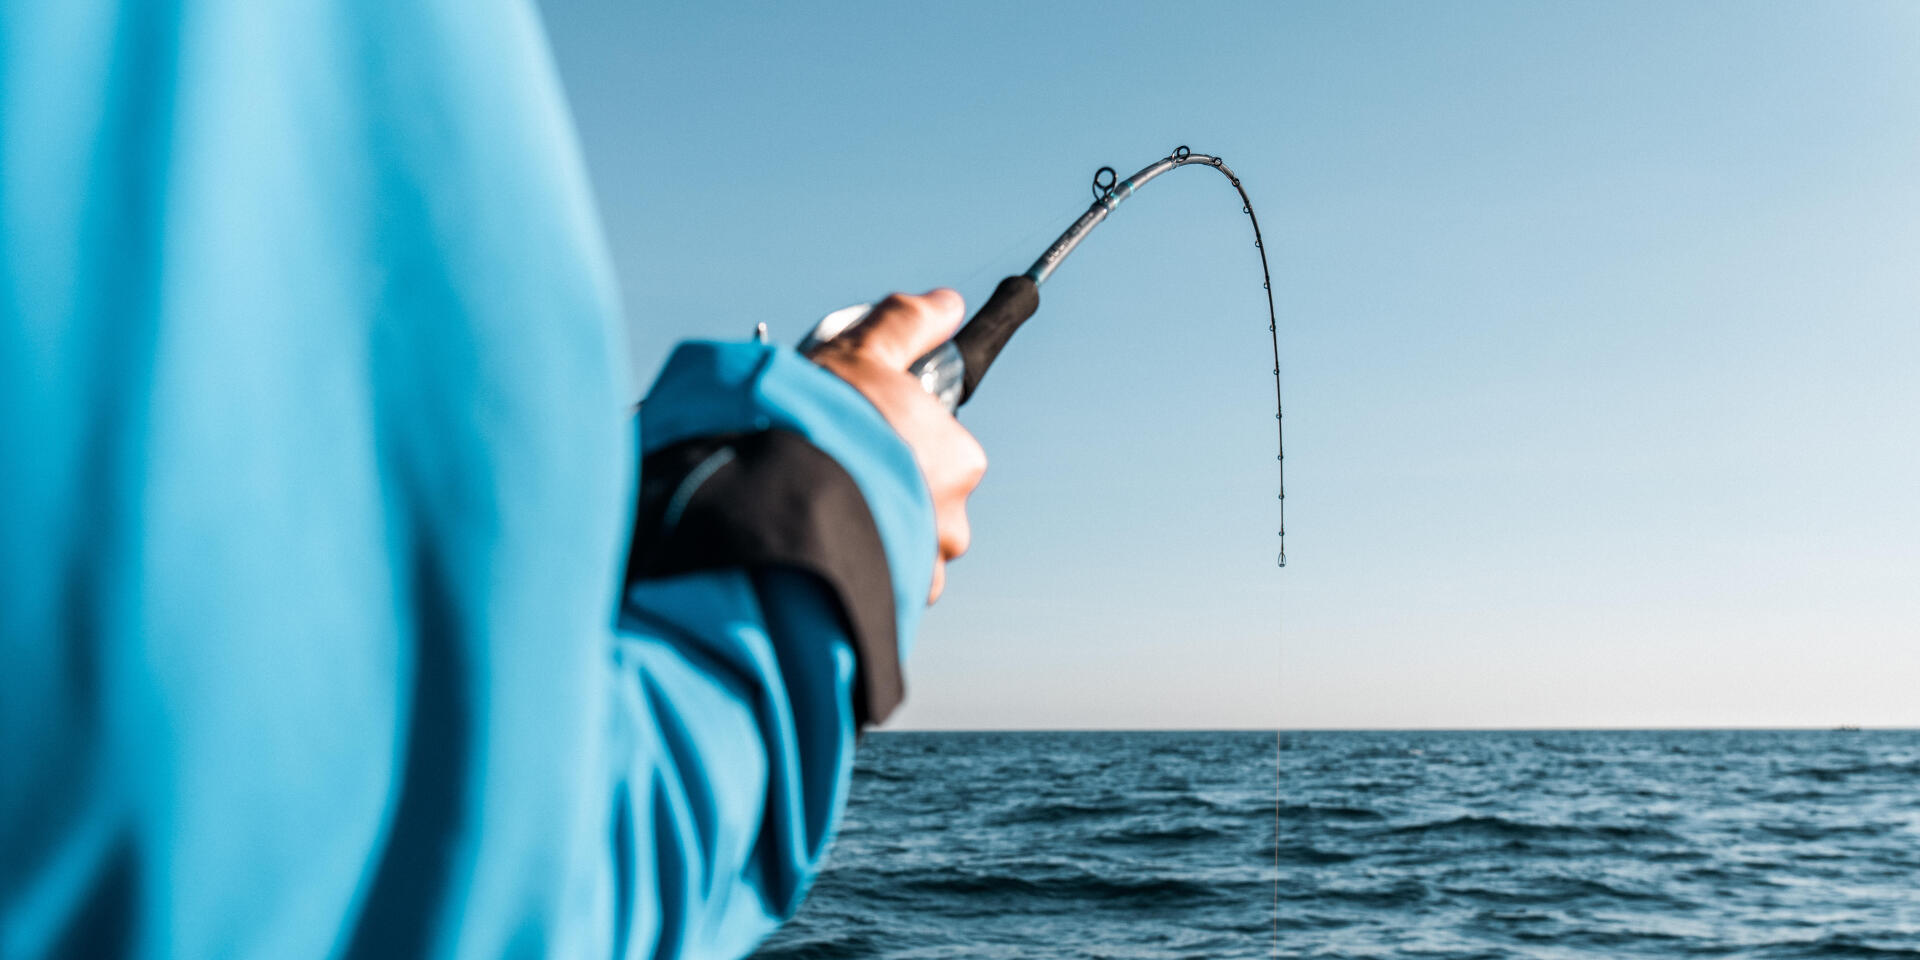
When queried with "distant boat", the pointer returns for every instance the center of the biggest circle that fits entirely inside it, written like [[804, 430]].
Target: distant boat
[[1846, 728]]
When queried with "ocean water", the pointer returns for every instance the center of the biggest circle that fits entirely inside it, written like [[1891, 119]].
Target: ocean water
[[1487, 845]]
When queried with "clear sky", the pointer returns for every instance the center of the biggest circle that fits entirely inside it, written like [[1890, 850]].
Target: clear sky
[[1600, 325]]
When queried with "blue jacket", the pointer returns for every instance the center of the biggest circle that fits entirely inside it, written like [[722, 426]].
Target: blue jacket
[[322, 629]]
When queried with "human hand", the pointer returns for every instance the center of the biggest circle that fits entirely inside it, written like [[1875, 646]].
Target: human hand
[[873, 356]]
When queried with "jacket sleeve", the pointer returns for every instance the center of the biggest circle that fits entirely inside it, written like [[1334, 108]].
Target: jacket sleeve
[[783, 550]]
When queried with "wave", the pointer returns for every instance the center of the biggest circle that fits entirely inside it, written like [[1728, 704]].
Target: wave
[[1400, 893], [1312, 812], [1558, 890], [1678, 856], [887, 775], [1057, 811], [1306, 854], [1170, 833], [1839, 773], [1158, 891], [1796, 796], [1837, 945], [1502, 828], [1812, 832], [1385, 753]]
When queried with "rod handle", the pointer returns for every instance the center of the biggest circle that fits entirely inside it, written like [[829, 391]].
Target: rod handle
[[980, 341]]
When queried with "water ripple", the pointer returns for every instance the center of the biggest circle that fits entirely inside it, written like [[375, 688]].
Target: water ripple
[[1498, 846]]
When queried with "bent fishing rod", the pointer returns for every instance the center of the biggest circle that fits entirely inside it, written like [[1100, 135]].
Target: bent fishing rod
[[952, 371]]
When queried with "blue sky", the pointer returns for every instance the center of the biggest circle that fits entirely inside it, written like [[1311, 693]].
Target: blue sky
[[1600, 324]]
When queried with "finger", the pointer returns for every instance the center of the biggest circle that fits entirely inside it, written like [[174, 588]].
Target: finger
[[903, 327], [955, 532], [939, 582], [965, 467]]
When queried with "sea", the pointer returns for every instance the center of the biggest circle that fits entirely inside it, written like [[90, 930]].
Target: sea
[[1455, 845]]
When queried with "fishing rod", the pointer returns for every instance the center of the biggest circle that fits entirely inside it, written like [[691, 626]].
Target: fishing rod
[[952, 371]]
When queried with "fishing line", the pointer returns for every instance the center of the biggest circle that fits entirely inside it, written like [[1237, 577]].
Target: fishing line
[[952, 371], [1002, 254]]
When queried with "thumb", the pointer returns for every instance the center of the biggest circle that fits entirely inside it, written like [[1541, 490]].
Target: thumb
[[903, 327]]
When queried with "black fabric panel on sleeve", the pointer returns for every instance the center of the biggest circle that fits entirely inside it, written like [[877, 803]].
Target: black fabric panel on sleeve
[[771, 498]]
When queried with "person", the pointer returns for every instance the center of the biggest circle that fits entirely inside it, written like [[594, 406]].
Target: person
[[347, 608]]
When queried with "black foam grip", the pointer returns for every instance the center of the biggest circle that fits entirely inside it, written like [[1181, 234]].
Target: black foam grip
[[1013, 301]]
